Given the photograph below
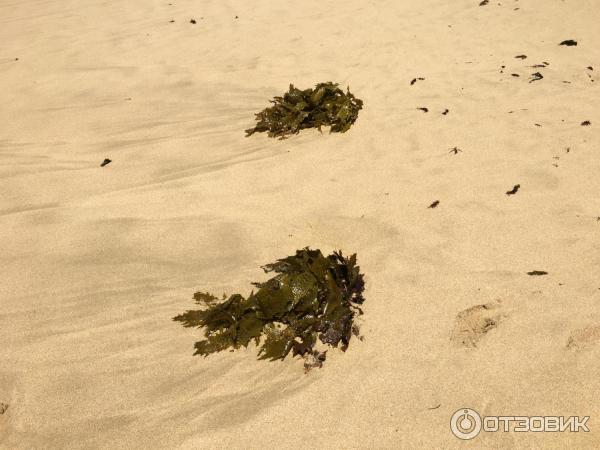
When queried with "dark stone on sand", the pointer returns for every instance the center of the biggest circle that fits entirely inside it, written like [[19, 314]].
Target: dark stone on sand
[[569, 43], [586, 123], [434, 204], [105, 162]]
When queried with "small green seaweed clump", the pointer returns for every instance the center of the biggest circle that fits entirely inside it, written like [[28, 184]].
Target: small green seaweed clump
[[325, 105], [311, 297]]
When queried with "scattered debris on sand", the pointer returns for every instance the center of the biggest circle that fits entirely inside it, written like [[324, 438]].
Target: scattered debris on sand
[[521, 56], [325, 105], [414, 80], [586, 123], [445, 111], [434, 204], [455, 150], [423, 109], [514, 190], [537, 273], [484, 2], [105, 162], [311, 298]]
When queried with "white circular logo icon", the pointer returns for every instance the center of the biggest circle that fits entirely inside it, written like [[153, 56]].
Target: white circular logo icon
[[465, 423]]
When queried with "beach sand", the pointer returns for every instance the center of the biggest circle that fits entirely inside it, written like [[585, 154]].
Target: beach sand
[[97, 260]]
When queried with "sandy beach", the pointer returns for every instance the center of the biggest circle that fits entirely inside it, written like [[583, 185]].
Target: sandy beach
[[96, 261]]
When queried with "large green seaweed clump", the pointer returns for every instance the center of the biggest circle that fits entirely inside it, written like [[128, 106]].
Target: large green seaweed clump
[[311, 297], [325, 105]]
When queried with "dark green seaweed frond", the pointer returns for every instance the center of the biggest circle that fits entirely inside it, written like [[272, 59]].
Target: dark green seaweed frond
[[311, 298], [325, 105]]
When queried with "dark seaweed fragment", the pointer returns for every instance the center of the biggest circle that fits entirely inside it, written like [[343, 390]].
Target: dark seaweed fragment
[[311, 297], [325, 105], [514, 190], [535, 77], [105, 162], [569, 43], [537, 273], [521, 56], [586, 123]]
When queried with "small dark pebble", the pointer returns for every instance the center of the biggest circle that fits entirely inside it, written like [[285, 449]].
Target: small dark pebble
[[589, 67], [586, 123], [105, 162], [521, 56], [569, 43], [192, 21], [446, 111], [514, 75], [423, 109], [537, 273], [514, 190], [484, 2], [434, 204], [171, 21], [537, 124]]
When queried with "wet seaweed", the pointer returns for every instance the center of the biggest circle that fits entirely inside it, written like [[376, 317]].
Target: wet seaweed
[[311, 298], [325, 105]]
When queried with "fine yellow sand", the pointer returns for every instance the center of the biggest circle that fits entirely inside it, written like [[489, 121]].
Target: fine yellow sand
[[96, 261]]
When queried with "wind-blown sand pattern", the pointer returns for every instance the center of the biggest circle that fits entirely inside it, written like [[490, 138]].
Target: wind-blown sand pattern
[[97, 260]]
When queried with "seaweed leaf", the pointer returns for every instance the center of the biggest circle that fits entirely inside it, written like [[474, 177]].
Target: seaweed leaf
[[310, 298]]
